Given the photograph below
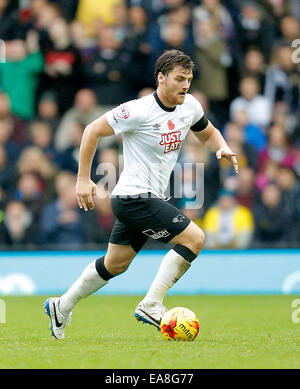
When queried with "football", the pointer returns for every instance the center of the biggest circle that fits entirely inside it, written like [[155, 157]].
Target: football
[[180, 323]]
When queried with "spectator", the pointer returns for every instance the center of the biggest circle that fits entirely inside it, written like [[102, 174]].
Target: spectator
[[210, 57], [62, 65], [245, 190], [18, 135], [171, 35], [7, 22], [22, 68], [7, 172], [254, 65], [247, 154], [266, 174], [47, 111], [106, 73], [120, 21], [32, 160], [252, 29], [283, 117], [68, 8], [6, 131], [278, 149], [85, 110], [203, 100], [170, 31], [228, 224], [136, 43], [82, 41], [30, 193], [88, 12], [108, 167], [289, 30], [283, 78], [17, 228], [42, 137], [271, 221], [68, 158], [42, 15], [257, 106], [221, 19], [253, 134], [290, 187], [153, 8], [61, 218]]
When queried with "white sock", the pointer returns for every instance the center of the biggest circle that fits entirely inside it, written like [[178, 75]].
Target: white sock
[[172, 267], [85, 285]]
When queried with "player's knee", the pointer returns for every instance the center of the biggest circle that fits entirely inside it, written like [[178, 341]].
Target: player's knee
[[198, 241], [117, 266], [120, 268]]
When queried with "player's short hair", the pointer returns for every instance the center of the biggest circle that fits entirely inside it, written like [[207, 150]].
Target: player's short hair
[[169, 60]]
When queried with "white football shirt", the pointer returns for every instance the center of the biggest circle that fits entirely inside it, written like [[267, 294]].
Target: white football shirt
[[152, 138]]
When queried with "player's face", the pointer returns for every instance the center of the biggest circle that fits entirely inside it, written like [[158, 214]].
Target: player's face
[[175, 85]]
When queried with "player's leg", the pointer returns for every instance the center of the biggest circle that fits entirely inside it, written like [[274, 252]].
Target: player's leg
[[176, 262], [94, 276], [97, 274], [123, 246], [175, 227]]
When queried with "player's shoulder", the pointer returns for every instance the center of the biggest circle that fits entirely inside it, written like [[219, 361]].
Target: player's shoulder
[[137, 108], [190, 100], [191, 104]]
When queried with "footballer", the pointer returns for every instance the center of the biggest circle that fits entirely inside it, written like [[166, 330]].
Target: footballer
[[153, 129]]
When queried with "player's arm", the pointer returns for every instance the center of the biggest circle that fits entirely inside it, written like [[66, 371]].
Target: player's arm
[[214, 141], [85, 187]]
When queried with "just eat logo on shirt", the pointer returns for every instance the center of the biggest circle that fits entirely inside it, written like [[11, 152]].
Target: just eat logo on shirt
[[171, 141]]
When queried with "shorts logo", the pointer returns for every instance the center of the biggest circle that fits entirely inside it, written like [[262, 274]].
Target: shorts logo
[[157, 235], [123, 112], [178, 219]]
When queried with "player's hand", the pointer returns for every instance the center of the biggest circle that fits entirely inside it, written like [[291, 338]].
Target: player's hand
[[85, 190], [230, 156]]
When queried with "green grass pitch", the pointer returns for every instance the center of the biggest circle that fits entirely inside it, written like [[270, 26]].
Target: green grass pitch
[[235, 332]]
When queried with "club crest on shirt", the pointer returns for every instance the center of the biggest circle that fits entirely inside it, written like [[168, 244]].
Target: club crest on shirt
[[171, 141], [187, 121], [123, 112]]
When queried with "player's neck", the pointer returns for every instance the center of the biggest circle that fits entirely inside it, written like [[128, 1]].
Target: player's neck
[[164, 101]]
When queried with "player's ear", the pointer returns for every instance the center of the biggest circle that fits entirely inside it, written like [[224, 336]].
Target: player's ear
[[160, 77]]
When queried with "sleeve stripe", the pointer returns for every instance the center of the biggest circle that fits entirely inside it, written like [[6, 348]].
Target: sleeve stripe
[[200, 125]]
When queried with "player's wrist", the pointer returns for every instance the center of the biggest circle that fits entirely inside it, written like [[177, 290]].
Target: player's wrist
[[83, 177]]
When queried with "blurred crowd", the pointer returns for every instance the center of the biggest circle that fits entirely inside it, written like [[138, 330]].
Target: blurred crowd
[[69, 61]]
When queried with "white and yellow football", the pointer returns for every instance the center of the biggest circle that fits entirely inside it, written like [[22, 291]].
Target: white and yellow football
[[179, 324]]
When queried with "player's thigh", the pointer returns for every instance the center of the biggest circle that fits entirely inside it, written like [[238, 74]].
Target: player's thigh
[[192, 237], [123, 234]]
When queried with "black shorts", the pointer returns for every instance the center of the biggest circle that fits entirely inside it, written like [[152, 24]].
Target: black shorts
[[143, 217]]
